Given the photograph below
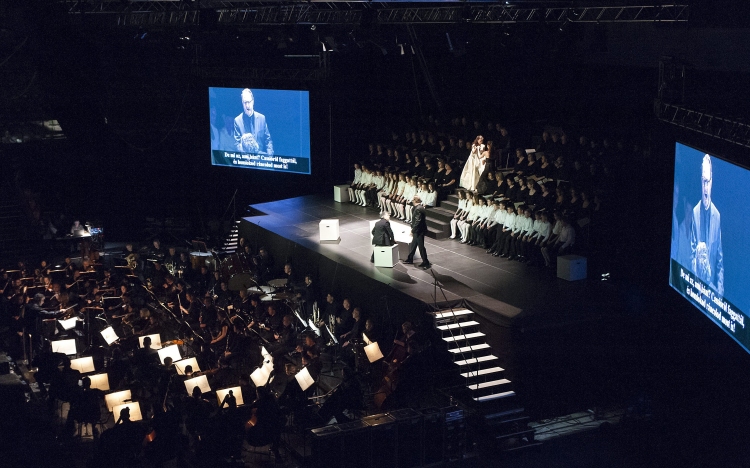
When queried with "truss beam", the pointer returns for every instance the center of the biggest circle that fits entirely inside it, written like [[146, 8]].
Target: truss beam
[[714, 126], [175, 12]]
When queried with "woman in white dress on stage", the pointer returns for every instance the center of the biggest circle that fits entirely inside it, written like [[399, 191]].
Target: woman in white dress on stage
[[473, 167]]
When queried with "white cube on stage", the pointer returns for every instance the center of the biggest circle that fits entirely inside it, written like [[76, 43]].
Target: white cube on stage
[[341, 193], [329, 229], [386, 256], [571, 267]]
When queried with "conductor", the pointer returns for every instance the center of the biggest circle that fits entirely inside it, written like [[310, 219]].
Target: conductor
[[382, 235], [418, 230]]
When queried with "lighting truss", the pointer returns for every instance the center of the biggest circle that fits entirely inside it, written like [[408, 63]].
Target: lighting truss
[[175, 12], [262, 74], [722, 128]]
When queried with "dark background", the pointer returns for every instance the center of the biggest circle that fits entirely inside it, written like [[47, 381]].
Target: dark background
[[134, 111]]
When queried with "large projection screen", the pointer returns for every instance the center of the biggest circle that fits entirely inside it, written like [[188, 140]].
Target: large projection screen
[[267, 129], [709, 248]]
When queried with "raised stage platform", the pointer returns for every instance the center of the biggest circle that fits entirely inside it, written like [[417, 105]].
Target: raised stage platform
[[507, 288]]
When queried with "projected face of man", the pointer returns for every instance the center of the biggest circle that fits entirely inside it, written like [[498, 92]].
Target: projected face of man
[[706, 181], [248, 101]]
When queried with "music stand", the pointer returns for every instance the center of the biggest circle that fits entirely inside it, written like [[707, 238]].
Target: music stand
[[181, 365], [100, 381], [236, 392], [201, 382], [68, 324], [64, 346], [260, 376], [155, 341], [170, 351], [373, 352], [117, 398], [83, 365], [135, 411], [109, 335], [304, 379]]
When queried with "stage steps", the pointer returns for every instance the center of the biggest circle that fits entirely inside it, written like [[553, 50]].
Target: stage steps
[[233, 239], [503, 424]]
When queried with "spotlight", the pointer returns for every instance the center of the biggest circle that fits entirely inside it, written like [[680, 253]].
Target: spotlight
[[313, 27]]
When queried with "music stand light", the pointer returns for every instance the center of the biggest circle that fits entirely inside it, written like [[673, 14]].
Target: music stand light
[[64, 346], [117, 398], [109, 335], [83, 365], [365, 339], [373, 352], [264, 352], [100, 381], [201, 382], [135, 411], [68, 324], [181, 365], [304, 379], [155, 341], [170, 351], [236, 392]]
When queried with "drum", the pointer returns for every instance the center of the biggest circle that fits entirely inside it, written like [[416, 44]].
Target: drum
[[201, 259], [231, 266], [277, 283]]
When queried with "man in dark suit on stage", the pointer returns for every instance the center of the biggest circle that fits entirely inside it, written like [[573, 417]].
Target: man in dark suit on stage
[[382, 234], [418, 230], [250, 130]]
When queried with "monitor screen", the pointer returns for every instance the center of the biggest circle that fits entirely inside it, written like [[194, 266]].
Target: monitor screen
[[709, 249], [267, 129]]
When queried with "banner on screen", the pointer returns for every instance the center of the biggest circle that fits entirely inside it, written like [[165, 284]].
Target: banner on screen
[[709, 248], [267, 129]]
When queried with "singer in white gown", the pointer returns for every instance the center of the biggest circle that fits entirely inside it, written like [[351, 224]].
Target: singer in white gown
[[473, 167]]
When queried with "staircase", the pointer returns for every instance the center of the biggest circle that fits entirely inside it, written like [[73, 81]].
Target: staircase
[[232, 240], [501, 422], [439, 218]]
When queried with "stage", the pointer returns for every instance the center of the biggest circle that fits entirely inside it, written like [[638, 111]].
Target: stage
[[507, 288], [551, 335]]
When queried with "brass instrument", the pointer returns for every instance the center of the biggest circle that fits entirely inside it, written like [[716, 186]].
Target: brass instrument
[[132, 261]]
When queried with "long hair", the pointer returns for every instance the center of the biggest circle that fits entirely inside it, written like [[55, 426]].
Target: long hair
[[476, 140]]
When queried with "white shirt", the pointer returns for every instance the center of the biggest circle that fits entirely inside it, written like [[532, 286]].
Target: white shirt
[[409, 192], [357, 176], [523, 225], [500, 216], [430, 198], [544, 230], [535, 228], [510, 221], [400, 187], [461, 204], [567, 236]]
